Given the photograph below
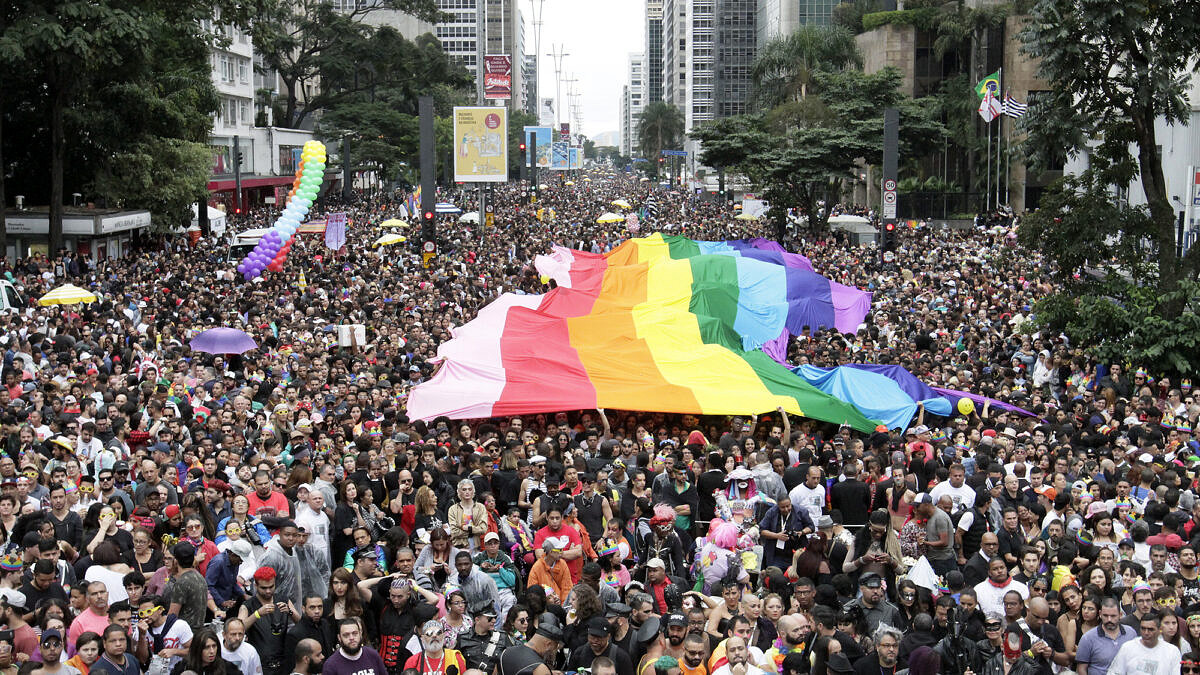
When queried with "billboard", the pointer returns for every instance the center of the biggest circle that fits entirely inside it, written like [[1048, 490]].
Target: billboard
[[480, 145], [546, 112], [573, 159], [497, 77], [565, 131], [560, 155], [544, 136]]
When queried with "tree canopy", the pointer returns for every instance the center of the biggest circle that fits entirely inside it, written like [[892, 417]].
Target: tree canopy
[[1113, 72], [308, 41], [800, 153], [125, 87], [661, 127]]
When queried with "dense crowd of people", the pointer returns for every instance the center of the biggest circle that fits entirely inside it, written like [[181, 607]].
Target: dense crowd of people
[[164, 510]]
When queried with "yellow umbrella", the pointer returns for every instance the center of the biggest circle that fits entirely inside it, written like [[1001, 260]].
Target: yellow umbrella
[[389, 239], [621, 203], [745, 216], [587, 180], [570, 182], [67, 295], [393, 222], [610, 218]]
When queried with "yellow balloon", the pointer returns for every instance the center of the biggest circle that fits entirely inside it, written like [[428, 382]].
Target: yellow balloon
[[545, 279], [966, 406]]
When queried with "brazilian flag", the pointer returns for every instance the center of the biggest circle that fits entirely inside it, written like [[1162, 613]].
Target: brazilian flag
[[990, 83]]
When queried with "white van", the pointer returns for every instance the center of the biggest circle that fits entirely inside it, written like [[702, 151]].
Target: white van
[[244, 242], [11, 300]]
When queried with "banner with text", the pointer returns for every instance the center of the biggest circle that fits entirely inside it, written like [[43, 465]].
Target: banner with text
[[335, 230], [480, 145], [497, 77]]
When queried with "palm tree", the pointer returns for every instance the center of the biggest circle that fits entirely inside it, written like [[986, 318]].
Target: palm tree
[[784, 68], [661, 127]]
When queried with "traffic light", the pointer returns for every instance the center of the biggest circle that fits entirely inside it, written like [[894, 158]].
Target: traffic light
[[237, 158], [888, 240]]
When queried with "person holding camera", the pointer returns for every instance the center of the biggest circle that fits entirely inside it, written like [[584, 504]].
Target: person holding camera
[[783, 529]]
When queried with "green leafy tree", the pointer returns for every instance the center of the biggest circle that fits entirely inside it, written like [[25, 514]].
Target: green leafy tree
[[1109, 295], [661, 127], [125, 87], [801, 153], [785, 68], [305, 41], [1113, 72], [67, 42]]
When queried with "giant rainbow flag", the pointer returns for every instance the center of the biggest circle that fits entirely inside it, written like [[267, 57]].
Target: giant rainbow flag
[[653, 325]]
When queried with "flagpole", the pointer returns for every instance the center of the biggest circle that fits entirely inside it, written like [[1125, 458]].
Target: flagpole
[[989, 167], [999, 132], [1008, 164]]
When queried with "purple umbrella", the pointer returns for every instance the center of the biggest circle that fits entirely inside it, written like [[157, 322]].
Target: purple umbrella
[[223, 340]]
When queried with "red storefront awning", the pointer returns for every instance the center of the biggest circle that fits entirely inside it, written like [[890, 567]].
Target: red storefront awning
[[225, 184]]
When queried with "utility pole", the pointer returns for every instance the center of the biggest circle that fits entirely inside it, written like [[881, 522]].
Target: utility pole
[[347, 173], [536, 11], [558, 55]]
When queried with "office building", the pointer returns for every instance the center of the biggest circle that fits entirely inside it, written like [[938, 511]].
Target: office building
[[654, 50], [633, 102], [502, 27], [708, 48]]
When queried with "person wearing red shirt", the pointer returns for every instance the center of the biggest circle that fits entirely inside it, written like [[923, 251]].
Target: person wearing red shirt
[[567, 540], [434, 658], [264, 497]]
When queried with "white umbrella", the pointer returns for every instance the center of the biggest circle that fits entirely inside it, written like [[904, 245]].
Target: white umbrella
[[469, 217]]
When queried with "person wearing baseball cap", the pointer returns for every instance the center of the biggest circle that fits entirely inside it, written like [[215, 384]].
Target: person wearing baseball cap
[[874, 604], [599, 643], [482, 646], [500, 567], [539, 654]]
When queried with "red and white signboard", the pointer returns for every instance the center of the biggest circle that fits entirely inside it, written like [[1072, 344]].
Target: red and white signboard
[[497, 77]]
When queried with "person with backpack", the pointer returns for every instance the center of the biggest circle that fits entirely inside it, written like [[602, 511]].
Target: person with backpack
[[169, 637]]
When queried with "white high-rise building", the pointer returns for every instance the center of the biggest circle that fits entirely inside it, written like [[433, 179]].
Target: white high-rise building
[[633, 101], [502, 27], [233, 76]]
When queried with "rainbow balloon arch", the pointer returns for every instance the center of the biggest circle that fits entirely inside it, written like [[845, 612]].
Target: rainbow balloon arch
[[273, 248]]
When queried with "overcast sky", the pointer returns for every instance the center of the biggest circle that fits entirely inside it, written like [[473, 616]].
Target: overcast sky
[[598, 35]]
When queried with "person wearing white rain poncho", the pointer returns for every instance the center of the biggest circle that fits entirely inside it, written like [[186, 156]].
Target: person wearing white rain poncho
[[282, 556], [313, 548]]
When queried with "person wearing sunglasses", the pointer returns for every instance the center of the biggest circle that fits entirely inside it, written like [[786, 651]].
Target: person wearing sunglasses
[[434, 658]]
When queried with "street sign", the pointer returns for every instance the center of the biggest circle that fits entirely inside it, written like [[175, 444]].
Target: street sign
[[429, 247], [674, 153], [889, 197], [489, 219], [889, 185]]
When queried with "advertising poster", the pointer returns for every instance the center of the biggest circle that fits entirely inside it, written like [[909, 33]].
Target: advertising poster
[[573, 159], [560, 156], [497, 77], [544, 136], [480, 145]]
